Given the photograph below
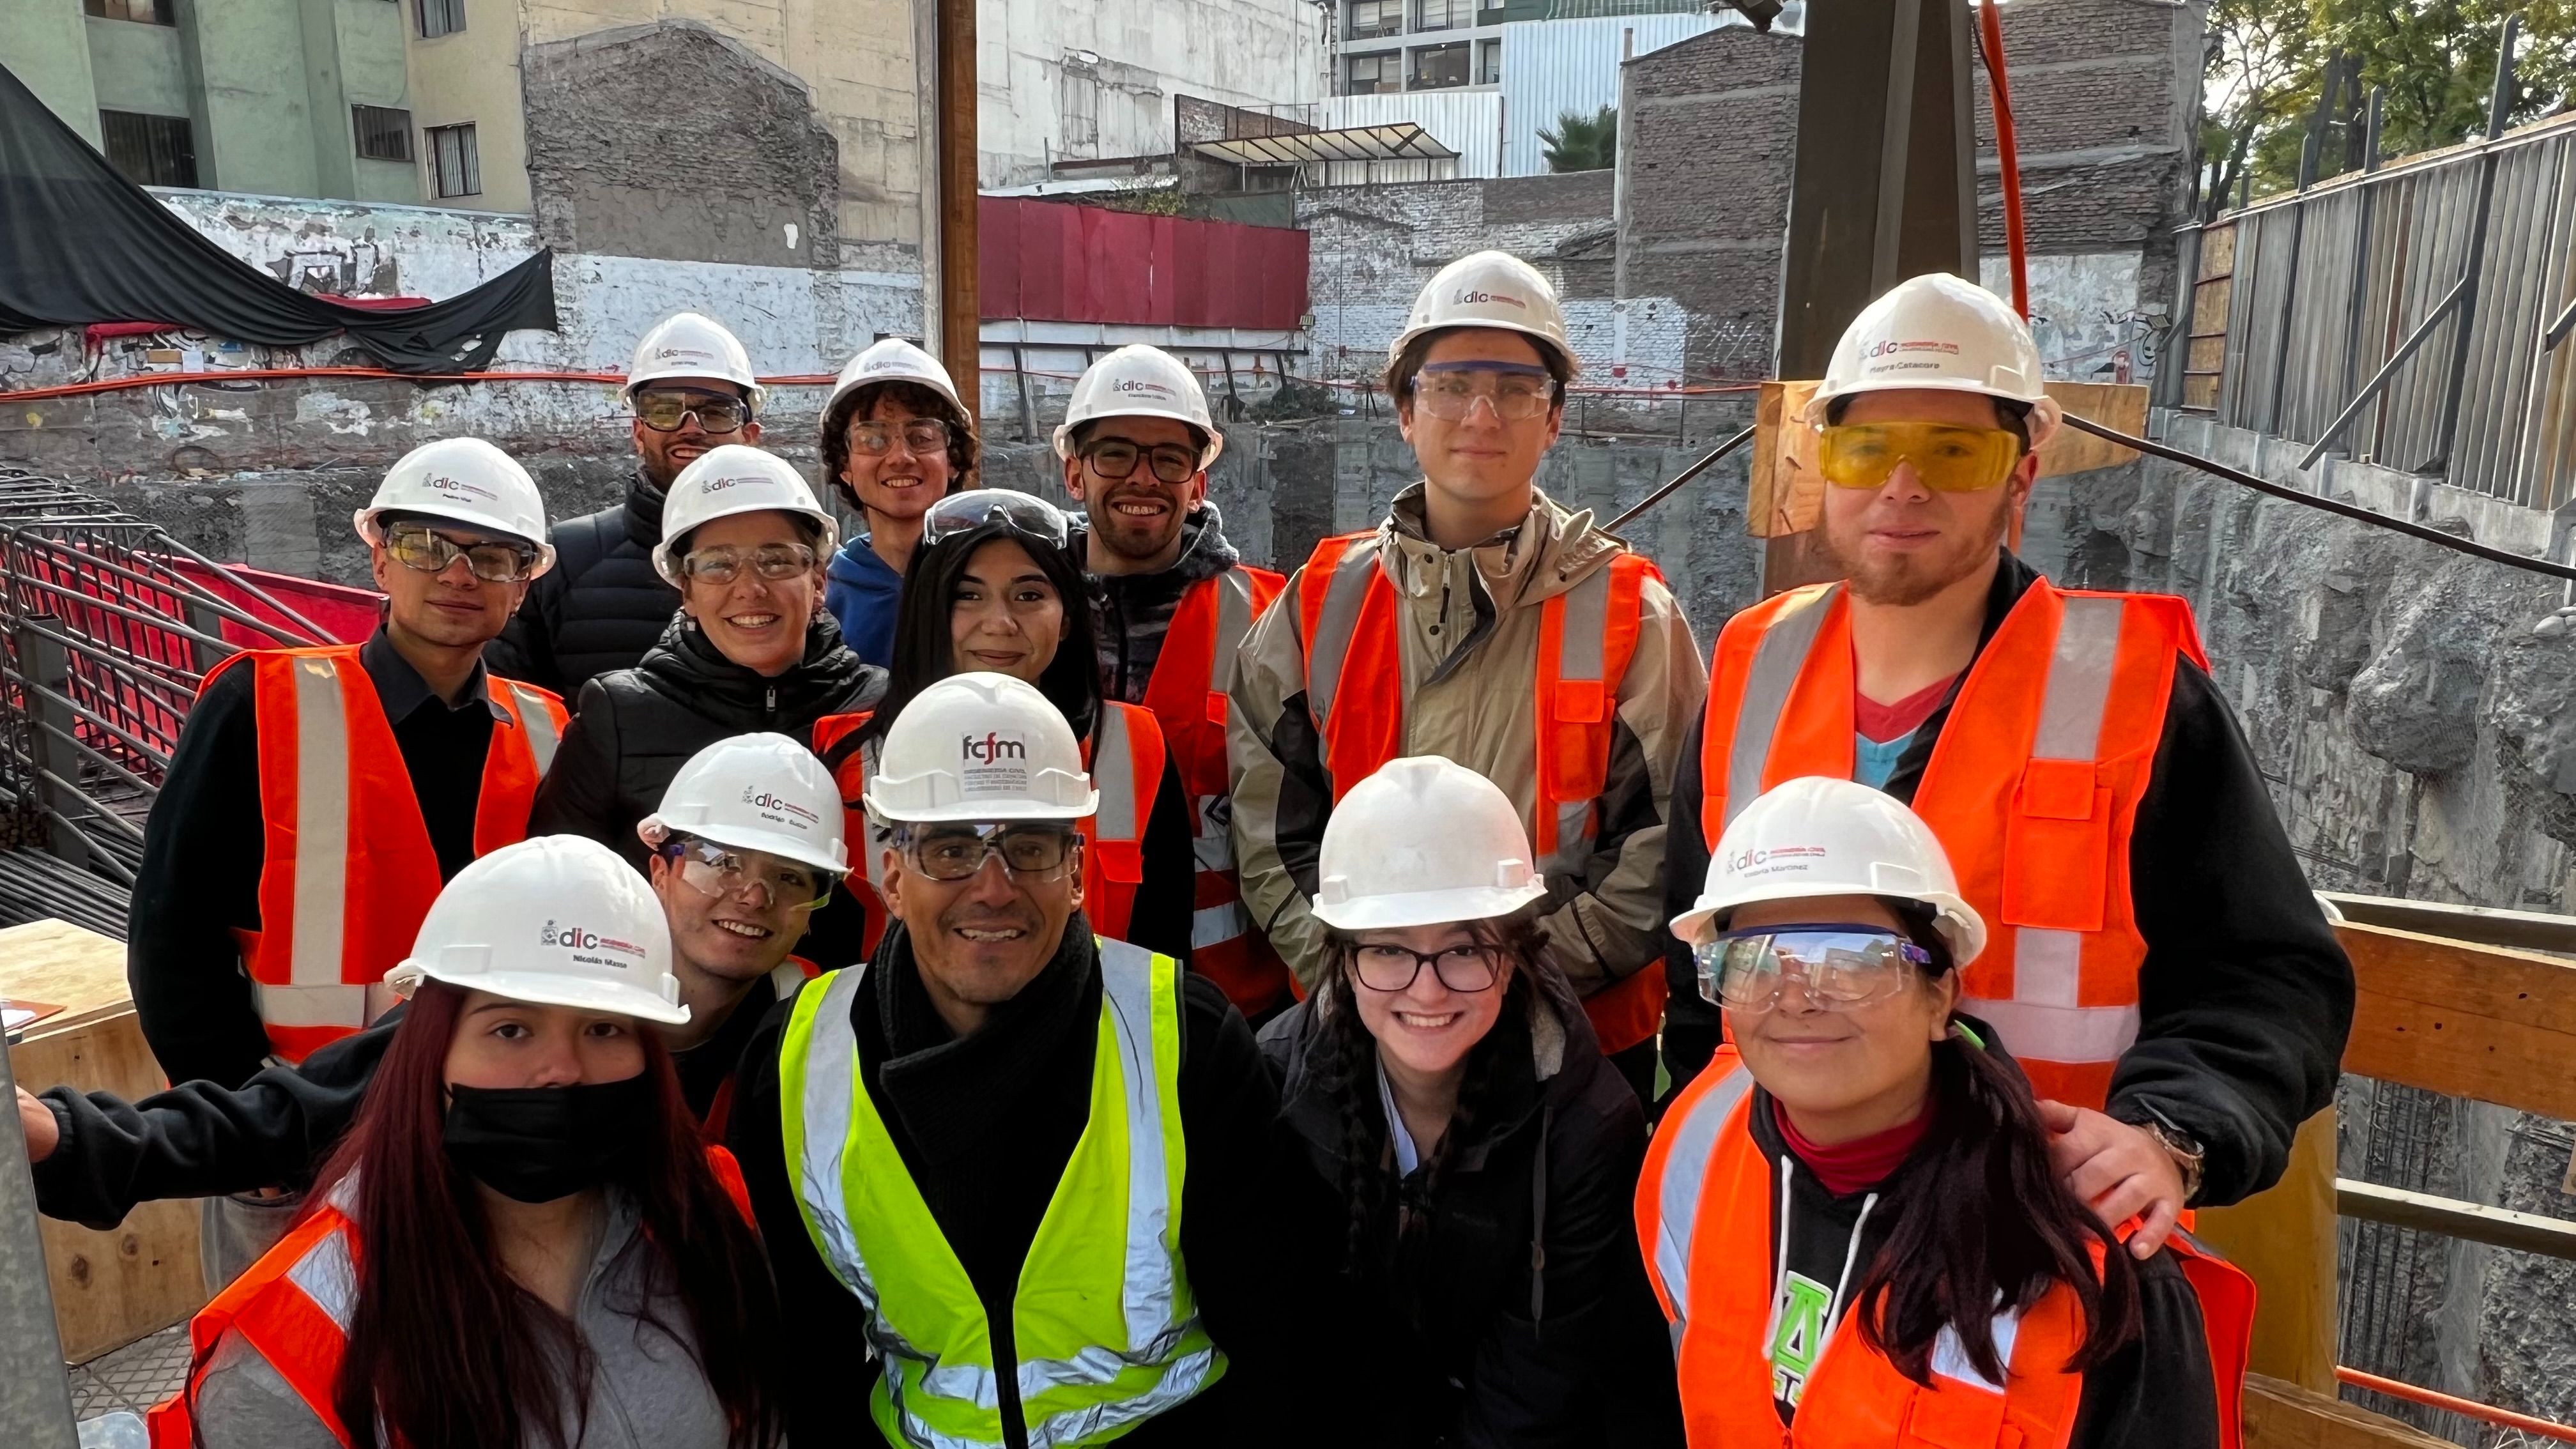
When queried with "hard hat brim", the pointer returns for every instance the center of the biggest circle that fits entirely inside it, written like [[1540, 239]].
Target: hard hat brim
[[1539, 335], [542, 988], [767, 842], [980, 810], [1427, 908]]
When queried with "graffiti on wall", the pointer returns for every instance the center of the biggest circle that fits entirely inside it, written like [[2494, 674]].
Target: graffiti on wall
[[334, 266]]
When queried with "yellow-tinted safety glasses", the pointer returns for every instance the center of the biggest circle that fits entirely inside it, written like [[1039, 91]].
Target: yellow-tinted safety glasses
[[1948, 459]]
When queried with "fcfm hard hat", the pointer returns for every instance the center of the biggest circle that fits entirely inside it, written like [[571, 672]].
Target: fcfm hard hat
[[463, 480], [761, 792], [1818, 836], [892, 360], [1423, 842], [554, 919], [729, 479], [1490, 289], [1138, 381], [686, 344], [1945, 332], [981, 747]]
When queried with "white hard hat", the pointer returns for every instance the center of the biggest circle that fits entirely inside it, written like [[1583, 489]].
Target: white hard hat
[[979, 747], [465, 480], [1940, 331], [686, 344], [1819, 836], [1138, 381], [1490, 289], [555, 919], [893, 360], [760, 792], [1423, 842], [728, 479]]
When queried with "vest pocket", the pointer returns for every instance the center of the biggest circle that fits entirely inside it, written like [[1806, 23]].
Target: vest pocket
[[1574, 756], [2057, 848], [1121, 861]]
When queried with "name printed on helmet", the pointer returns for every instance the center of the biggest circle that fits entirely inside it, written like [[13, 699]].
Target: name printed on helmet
[[772, 805], [1472, 296], [1774, 860], [583, 943], [445, 483]]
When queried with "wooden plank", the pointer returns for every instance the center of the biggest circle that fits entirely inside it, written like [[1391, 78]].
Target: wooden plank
[[2485, 1022], [2121, 406], [2285, 1416], [2498, 1227], [55, 961], [2479, 925], [2284, 1237]]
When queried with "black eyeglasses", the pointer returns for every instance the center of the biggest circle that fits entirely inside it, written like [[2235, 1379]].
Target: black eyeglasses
[[418, 546], [920, 435], [956, 852], [1390, 968], [1115, 458], [668, 412]]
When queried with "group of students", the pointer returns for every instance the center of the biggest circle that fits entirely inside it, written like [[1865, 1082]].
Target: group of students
[[1020, 979]]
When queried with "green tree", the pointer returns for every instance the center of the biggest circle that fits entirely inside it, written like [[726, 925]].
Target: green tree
[[1580, 144]]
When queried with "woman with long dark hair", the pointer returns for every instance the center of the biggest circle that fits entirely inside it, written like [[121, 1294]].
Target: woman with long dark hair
[[522, 1243], [1461, 1150], [994, 587], [1851, 1217]]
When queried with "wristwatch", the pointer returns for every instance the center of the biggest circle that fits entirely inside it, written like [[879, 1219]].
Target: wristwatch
[[2185, 1150]]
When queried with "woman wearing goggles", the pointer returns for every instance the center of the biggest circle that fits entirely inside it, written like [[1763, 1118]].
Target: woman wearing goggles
[[1889, 1214]]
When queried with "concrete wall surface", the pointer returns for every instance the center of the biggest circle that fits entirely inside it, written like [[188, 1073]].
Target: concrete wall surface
[[45, 44], [135, 67], [471, 77]]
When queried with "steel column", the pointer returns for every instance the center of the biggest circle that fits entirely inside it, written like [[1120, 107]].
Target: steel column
[[35, 1396], [2499, 101]]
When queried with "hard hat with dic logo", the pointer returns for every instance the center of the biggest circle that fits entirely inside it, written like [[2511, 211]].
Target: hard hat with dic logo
[[1137, 381], [891, 360], [467, 481], [1945, 332], [1819, 836], [729, 479], [761, 792], [1490, 289], [558, 920], [981, 747], [686, 344], [1423, 842]]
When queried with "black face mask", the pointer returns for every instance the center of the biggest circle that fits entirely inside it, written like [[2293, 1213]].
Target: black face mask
[[537, 1144]]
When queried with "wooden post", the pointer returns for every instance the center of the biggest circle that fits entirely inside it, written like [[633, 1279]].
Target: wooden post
[[960, 317]]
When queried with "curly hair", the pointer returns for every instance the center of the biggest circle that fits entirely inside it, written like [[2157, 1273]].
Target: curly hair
[[964, 445]]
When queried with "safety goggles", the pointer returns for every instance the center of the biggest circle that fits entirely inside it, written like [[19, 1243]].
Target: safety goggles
[[1840, 967], [1948, 459], [1116, 458], [1386, 967], [418, 546], [668, 412], [920, 435], [724, 563], [721, 871], [1031, 517], [1515, 391], [954, 852]]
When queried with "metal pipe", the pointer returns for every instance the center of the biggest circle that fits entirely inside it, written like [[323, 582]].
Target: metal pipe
[[2499, 100], [314, 633], [97, 856], [2379, 380], [187, 591], [35, 1396], [1684, 476], [2558, 329]]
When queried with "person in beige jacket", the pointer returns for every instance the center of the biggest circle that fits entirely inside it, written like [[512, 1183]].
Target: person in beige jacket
[[1483, 622]]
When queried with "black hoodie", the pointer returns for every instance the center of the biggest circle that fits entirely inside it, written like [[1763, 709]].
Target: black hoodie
[[600, 607]]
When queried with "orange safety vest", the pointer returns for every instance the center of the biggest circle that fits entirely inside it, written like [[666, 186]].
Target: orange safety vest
[[294, 1307], [1125, 757], [1704, 1217], [348, 870], [1355, 691], [1187, 694], [2033, 789]]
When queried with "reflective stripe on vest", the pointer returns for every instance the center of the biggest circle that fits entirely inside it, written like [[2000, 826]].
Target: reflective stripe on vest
[[2031, 829], [1126, 756], [1676, 1164], [1104, 1322]]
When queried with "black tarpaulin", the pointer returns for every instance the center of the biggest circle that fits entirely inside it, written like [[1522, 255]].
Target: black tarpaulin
[[81, 244]]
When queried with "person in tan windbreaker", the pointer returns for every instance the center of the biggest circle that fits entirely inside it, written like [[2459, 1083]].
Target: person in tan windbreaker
[[1482, 622]]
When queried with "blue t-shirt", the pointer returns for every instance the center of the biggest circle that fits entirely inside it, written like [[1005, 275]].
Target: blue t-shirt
[[1874, 761], [864, 595]]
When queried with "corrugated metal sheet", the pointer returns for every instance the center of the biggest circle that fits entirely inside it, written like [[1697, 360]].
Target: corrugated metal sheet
[[1551, 67], [1050, 261], [1467, 122]]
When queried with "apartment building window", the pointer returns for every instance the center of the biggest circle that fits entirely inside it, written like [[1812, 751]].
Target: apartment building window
[[150, 12], [1489, 62], [1373, 18], [150, 150], [1380, 72], [441, 17], [384, 133], [454, 169], [1444, 15], [1436, 66]]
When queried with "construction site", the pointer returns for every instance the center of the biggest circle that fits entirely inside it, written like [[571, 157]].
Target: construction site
[[2335, 412]]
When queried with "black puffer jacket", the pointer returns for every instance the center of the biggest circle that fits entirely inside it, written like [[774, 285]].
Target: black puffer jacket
[[1446, 1340], [600, 607]]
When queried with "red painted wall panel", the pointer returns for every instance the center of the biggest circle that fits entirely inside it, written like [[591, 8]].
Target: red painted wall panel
[[1054, 262]]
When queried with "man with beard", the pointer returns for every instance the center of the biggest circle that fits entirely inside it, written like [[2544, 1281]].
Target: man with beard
[[1170, 603], [602, 605], [2163, 972]]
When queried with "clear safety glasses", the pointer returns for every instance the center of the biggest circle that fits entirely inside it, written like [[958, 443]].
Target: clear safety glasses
[[724, 563], [1840, 967], [1947, 459], [1031, 517], [719, 870], [1116, 458], [668, 412], [1515, 391], [418, 546], [920, 435], [954, 852], [1391, 968]]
